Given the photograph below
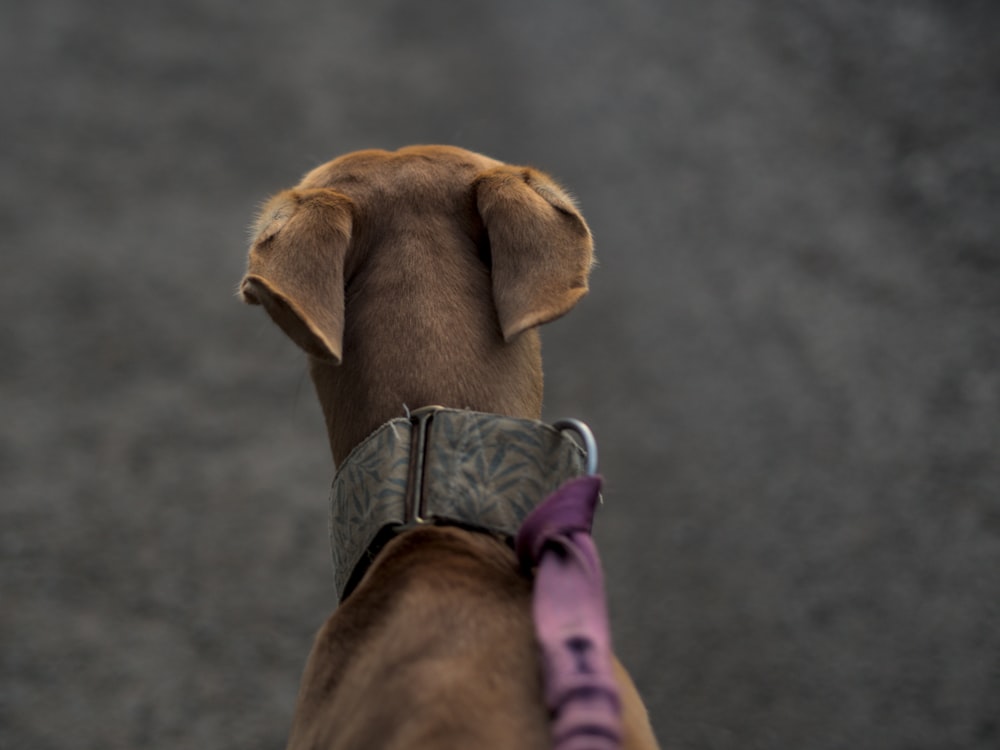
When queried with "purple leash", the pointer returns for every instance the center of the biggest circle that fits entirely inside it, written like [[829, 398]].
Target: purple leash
[[571, 618]]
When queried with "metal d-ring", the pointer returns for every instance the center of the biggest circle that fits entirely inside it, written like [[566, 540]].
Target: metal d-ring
[[589, 443]]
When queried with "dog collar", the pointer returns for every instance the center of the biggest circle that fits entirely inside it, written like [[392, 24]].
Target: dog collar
[[445, 466]]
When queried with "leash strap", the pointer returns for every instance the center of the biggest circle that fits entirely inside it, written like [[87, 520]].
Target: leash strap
[[571, 619]]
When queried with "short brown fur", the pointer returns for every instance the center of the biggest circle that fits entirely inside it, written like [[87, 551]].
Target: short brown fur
[[412, 278]]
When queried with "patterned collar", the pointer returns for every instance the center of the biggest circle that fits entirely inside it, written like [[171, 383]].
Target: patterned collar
[[442, 466]]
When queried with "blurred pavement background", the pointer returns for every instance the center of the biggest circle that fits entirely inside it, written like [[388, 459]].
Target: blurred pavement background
[[790, 355]]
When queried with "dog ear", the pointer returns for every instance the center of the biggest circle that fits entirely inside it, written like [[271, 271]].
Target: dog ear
[[296, 267], [540, 246]]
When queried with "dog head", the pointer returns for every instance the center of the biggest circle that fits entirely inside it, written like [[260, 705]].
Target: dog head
[[418, 277]]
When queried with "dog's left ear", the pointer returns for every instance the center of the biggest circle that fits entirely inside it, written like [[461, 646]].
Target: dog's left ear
[[296, 268], [540, 246]]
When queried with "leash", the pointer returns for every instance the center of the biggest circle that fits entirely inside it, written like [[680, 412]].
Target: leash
[[570, 615]]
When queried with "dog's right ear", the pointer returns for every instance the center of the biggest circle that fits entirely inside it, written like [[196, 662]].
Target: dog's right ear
[[540, 246], [296, 267]]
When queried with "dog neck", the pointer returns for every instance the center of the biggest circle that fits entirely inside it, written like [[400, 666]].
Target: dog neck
[[443, 466]]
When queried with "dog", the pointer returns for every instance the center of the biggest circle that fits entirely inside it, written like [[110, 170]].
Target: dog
[[415, 278]]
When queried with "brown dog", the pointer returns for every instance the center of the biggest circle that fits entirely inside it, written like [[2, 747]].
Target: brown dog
[[412, 278]]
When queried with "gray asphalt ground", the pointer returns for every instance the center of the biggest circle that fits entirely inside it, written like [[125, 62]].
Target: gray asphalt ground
[[790, 355]]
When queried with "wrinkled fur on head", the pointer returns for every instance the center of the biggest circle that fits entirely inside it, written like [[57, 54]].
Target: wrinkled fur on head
[[418, 277]]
